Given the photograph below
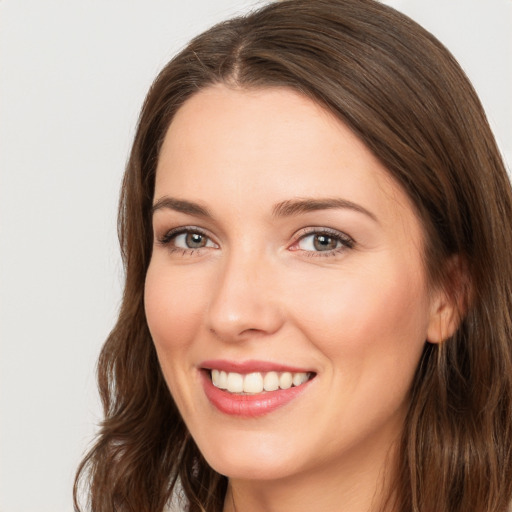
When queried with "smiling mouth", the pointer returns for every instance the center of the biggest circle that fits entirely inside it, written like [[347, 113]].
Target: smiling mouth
[[257, 382]]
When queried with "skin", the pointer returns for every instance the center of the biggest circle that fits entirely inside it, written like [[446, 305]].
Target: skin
[[357, 315]]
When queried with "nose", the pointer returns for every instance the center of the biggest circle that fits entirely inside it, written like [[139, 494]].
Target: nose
[[245, 302]]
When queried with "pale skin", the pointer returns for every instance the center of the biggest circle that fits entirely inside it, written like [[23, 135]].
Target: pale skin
[[334, 284]]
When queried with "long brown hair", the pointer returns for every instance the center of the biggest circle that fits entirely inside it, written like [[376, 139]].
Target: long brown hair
[[405, 96]]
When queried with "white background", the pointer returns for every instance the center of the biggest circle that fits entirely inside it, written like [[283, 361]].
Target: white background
[[73, 75]]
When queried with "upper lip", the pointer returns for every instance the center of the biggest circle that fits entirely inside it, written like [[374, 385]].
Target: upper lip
[[250, 366]]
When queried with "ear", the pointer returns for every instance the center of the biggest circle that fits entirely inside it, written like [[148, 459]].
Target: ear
[[449, 301]]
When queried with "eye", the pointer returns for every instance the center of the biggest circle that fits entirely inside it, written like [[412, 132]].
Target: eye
[[319, 242], [323, 241], [187, 239], [192, 240]]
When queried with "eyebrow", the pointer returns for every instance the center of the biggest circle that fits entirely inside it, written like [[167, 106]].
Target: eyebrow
[[182, 206], [301, 206], [286, 208]]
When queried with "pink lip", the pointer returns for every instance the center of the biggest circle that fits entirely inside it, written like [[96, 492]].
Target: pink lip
[[249, 366], [249, 406]]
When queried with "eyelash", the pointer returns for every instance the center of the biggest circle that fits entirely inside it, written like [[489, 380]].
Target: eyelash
[[172, 234], [346, 241]]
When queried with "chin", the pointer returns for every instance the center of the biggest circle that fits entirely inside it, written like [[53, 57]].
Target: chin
[[254, 458], [245, 469]]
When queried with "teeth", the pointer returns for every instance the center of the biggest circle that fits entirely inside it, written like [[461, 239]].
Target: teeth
[[235, 383], [285, 380], [253, 383], [257, 382], [220, 379], [299, 378], [271, 381]]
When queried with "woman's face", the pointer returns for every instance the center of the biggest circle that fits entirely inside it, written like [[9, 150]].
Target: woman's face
[[284, 255]]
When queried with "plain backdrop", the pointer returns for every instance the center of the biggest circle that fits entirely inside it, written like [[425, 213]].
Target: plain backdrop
[[73, 75]]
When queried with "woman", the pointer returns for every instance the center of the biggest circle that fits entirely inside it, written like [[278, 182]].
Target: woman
[[315, 222]]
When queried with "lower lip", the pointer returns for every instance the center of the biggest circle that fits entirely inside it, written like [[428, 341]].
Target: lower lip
[[249, 406]]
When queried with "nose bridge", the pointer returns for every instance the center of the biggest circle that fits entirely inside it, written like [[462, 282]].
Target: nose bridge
[[244, 300]]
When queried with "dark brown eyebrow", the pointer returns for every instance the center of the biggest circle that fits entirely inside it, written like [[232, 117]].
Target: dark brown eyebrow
[[180, 205], [305, 205], [283, 209]]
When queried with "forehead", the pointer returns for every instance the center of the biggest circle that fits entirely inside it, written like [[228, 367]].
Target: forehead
[[248, 148]]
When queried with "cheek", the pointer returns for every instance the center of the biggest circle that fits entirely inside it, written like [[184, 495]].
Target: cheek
[[174, 304], [174, 308], [372, 331], [361, 317]]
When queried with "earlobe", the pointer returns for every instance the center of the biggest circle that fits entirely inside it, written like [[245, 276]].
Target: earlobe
[[449, 302]]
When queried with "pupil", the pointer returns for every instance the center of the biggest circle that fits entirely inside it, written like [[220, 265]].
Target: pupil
[[324, 243], [195, 240]]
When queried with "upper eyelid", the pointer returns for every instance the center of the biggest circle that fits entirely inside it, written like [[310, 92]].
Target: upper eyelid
[[312, 230]]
